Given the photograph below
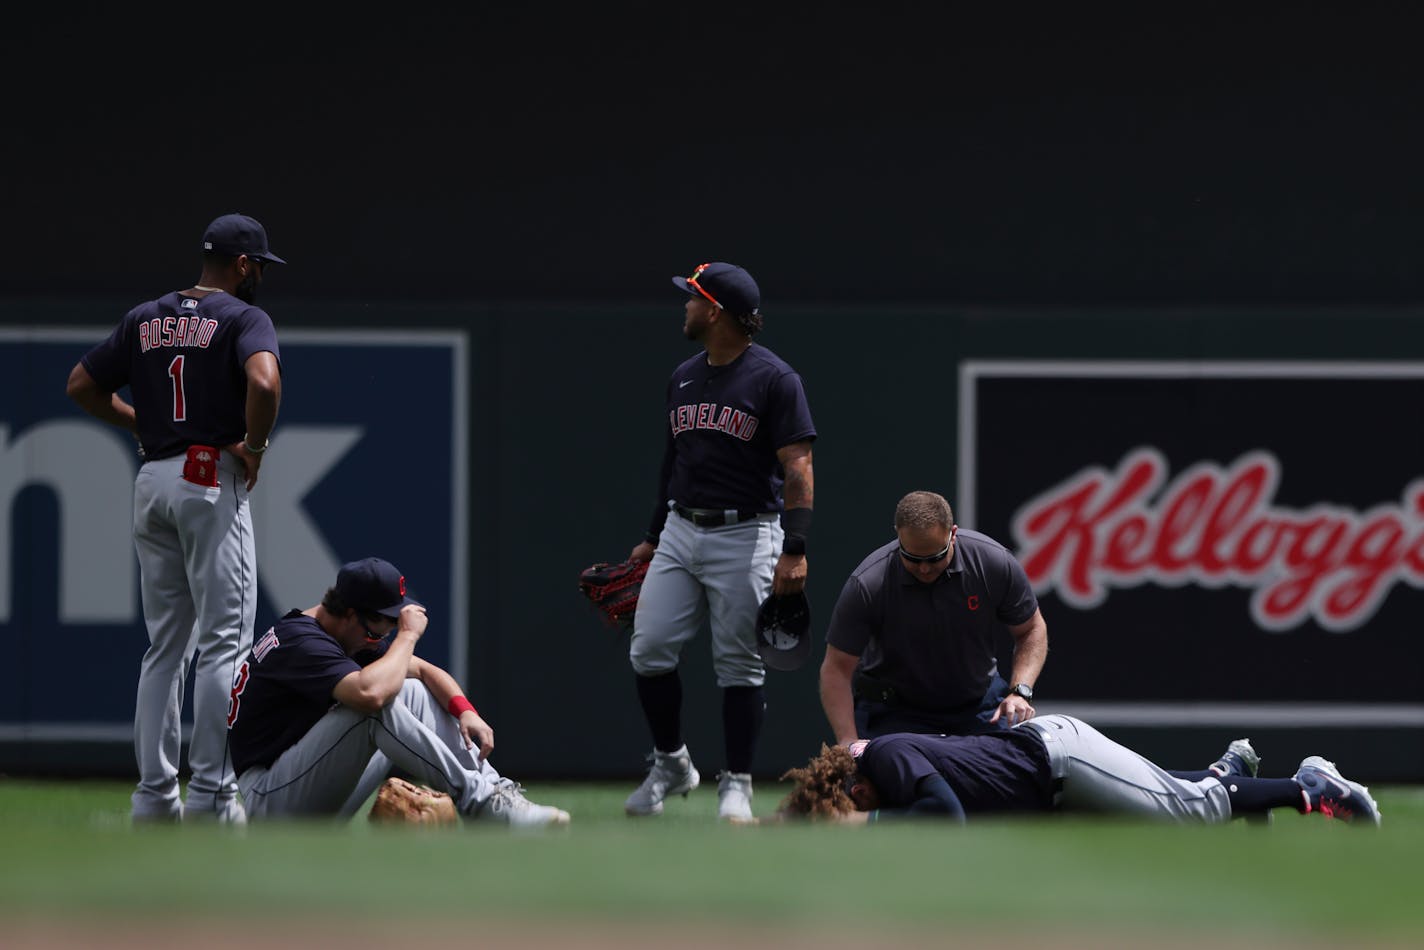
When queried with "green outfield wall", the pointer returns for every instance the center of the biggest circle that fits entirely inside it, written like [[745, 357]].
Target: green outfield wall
[[1177, 621]]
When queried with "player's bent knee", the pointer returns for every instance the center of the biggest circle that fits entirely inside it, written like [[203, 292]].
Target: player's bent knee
[[651, 666]]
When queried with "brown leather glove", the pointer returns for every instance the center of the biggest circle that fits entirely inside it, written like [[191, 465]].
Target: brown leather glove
[[401, 802]]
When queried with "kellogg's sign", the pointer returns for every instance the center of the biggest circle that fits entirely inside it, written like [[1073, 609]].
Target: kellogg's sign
[[1208, 531]]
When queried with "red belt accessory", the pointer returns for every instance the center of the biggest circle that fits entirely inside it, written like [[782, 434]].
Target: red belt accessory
[[201, 466]]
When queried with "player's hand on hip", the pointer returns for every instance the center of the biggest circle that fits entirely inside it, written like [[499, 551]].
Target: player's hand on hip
[[250, 463], [477, 732], [643, 552], [790, 576], [412, 619]]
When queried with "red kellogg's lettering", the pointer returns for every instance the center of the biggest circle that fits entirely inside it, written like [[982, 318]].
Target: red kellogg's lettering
[[1211, 526]]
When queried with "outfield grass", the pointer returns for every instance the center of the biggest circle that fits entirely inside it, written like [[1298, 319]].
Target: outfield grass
[[69, 855]]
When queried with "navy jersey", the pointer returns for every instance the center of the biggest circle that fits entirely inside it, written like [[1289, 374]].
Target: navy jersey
[[934, 642], [284, 687], [725, 425], [997, 772], [183, 359]]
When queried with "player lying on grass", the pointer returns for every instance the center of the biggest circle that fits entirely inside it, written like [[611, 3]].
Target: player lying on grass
[[1054, 763]]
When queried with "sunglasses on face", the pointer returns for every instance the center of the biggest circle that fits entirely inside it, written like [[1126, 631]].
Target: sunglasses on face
[[924, 559], [931, 558], [372, 620]]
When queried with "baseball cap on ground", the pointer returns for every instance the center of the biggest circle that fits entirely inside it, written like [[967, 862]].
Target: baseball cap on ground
[[783, 631], [375, 585], [234, 234], [727, 285]]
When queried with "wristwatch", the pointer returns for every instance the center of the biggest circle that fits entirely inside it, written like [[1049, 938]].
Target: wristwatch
[[1024, 690]]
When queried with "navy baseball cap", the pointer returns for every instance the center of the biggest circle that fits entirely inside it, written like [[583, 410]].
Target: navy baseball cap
[[783, 631], [373, 585], [727, 285], [234, 234]]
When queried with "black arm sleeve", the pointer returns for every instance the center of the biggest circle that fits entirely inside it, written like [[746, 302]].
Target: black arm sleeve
[[660, 509], [936, 800]]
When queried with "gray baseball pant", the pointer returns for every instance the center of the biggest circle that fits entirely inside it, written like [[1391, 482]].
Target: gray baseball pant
[[698, 575], [348, 750], [1099, 775]]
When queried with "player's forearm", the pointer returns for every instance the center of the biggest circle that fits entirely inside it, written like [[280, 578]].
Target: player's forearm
[[261, 413], [440, 683], [838, 704], [799, 490], [264, 396], [104, 406], [116, 412], [381, 681]]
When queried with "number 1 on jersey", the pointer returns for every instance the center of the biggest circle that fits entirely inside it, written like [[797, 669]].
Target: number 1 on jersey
[[180, 407]]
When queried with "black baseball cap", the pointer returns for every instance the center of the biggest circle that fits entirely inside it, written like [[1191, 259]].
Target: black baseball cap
[[234, 234], [783, 631], [727, 285], [373, 585]]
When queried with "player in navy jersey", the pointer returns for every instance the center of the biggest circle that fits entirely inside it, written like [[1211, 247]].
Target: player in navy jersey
[[333, 697], [204, 377], [728, 528], [1054, 763]]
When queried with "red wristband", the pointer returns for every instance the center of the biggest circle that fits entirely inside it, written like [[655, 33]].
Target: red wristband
[[459, 704]]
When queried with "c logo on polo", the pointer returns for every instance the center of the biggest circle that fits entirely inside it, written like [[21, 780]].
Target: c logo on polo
[[402, 585], [973, 601]]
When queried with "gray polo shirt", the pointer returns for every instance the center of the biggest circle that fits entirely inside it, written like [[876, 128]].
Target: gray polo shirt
[[933, 642]]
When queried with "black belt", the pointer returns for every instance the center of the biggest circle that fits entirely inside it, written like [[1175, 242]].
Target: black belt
[[864, 686], [713, 517]]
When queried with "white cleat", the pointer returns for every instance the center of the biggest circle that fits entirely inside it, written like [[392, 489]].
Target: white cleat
[[734, 797], [508, 804], [672, 773]]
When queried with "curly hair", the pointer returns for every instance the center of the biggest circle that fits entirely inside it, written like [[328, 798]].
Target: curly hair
[[820, 790]]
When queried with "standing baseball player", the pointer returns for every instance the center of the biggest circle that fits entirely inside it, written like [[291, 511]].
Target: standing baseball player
[[730, 524], [202, 368], [1055, 763], [333, 696]]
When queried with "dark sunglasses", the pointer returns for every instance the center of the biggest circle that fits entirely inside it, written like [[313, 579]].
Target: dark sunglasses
[[368, 620], [924, 559]]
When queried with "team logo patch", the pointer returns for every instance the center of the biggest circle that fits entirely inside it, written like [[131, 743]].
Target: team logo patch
[[266, 645]]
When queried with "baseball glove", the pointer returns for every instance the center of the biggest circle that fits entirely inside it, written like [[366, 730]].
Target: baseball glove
[[614, 589], [402, 802]]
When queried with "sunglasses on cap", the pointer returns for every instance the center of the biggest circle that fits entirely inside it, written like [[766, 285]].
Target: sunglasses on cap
[[692, 282]]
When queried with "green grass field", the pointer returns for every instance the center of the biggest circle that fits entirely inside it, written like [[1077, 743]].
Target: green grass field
[[72, 861]]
